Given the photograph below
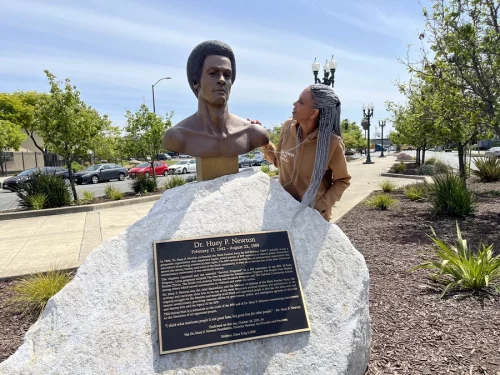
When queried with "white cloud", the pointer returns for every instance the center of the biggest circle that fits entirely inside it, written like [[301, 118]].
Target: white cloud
[[273, 65]]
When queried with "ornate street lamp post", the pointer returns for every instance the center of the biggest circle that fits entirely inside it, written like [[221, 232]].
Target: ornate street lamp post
[[367, 114], [382, 124], [153, 90], [329, 72]]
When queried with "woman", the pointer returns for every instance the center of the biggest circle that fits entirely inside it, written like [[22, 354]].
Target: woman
[[310, 152]]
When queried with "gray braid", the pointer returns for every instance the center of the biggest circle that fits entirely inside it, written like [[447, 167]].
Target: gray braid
[[328, 104]]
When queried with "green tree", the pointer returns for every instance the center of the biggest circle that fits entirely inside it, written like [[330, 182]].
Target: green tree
[[352, 136], [464, 39], [106, 144], [67, 124], [274, 134], [11, 136], [19, 108], [145, 131]]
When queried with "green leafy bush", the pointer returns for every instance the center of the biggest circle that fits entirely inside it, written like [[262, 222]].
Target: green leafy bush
[[381, 202], [52, 187], [488, 169], [33, 292], [108, 190], [87, 197], [174, 181], [77, 167], [459, 267], [430, 161], [38, 201], [449, 196], [417, 191], [426, 170], [387, 186], [116, 195], [399, 168], [143, 184], [440, 167], [264, 168]]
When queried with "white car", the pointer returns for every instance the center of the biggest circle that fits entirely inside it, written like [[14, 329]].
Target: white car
[[183, 167], [493, 152]]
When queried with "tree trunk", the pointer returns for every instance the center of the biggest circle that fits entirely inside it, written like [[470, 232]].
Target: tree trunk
[[423, 153], [153, 167], [418, 157], [461, 161], [72, 183]]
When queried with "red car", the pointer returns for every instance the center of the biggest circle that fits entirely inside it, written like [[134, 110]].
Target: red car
[[161, 168]]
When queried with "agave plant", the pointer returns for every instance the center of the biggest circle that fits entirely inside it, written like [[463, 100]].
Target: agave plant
[[460, 267]]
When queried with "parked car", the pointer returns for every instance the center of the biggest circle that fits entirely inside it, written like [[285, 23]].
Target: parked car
[[242, 161], [100, 173], [161, 168], [349, 152], [134, 161], [163, 157], [181, 156], [184, 166], [259, 160], [13, 183], [493, 152]]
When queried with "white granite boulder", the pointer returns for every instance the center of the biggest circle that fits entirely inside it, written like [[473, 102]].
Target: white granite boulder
[[105, 320]]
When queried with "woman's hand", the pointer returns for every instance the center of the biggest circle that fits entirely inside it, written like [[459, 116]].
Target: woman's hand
[[254, 121]]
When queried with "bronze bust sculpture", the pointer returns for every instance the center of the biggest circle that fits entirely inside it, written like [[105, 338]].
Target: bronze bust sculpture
[[212, 131]]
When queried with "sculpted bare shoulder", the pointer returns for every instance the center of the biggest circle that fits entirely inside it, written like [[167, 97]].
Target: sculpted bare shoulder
[[173, 139], [257, 133]]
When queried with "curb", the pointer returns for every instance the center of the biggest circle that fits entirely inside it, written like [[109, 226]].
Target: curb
[[76, 209], [9, 278], [408, 176]]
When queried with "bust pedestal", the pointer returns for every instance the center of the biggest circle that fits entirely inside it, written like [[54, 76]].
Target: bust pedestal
[[213, 167]]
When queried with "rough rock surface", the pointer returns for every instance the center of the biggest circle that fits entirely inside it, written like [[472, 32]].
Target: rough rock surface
[[105, 320]]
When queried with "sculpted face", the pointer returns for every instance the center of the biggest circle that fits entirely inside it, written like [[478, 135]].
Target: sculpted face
[[216, 80], [303, 108]]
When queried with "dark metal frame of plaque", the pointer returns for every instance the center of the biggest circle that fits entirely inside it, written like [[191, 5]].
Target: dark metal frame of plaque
[[163, 331]]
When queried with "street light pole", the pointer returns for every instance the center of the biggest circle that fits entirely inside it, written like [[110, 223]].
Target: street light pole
[[367, 114], [328, 72], [153, 91], [382, 124]]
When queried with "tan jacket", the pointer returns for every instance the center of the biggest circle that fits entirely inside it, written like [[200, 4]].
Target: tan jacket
[[335, 181]]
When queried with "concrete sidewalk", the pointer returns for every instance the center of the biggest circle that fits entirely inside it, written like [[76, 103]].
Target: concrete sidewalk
[[63, 241]]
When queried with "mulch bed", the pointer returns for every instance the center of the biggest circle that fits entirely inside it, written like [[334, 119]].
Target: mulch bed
[[13, 324], [413, 331]]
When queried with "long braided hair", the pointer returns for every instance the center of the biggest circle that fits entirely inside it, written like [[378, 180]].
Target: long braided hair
[[328, 104]]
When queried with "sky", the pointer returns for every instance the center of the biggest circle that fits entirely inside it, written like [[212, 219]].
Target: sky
[[114, 50]]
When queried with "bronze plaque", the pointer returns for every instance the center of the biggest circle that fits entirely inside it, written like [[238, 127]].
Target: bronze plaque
[[220, 290]]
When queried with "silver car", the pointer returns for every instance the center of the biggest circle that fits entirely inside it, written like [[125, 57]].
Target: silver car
[[493, 152]]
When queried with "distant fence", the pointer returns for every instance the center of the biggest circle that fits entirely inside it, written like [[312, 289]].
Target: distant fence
[[15, 162]]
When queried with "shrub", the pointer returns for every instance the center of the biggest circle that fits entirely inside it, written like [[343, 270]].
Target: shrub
[[38, 201], [430, 161], [404, 157], [450, 196], [387, 186], [399, 168], [108, 190], [417, 191], [460, 267], [174, 181], [381, 202], [265, 168], [87, 197], [33, 292], [77, 167], [426, 170], [143, 184], [488, 169], [53, 187], [191, 179], [116, 195], [440, 167]]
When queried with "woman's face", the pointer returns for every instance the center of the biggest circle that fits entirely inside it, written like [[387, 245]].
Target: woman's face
[[303, 108]]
